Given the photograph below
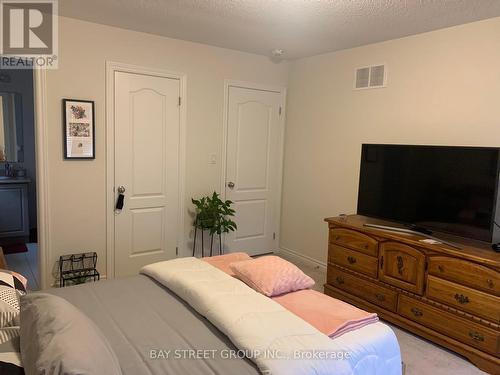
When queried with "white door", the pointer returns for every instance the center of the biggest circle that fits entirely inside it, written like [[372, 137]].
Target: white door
[[253, 167], [147, 121]]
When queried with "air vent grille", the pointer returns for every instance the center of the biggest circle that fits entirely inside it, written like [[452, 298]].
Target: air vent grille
[[362, 78], [370, 77]]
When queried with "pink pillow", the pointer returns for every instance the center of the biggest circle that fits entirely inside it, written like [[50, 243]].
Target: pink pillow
[[222, 262], [271, 275]]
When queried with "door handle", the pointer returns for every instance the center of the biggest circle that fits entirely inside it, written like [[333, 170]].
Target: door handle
[[120, 200], [230, 185]]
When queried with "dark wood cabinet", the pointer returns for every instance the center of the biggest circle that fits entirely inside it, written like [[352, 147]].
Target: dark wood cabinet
[[14, 217], [447, 295]]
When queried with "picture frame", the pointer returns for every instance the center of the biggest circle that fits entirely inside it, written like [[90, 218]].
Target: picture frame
[[78, 129]]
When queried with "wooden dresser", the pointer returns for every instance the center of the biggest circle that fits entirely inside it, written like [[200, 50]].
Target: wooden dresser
[[449, 296]]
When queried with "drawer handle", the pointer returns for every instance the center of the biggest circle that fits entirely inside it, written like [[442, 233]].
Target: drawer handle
[[366, 246], [476, 336], [462, 299], [416, 312], [400, 264], [337, 238], [351, 260], [380, 297], [441, 268], [340, 280], [490, 283]]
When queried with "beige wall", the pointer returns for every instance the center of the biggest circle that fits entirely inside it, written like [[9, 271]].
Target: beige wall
[[443, 89], [77, 190]]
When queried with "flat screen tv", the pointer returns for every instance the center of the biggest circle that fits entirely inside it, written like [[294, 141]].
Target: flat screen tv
[[438, 188]]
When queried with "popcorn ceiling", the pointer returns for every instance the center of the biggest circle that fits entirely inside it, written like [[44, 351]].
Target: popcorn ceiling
[[300, 27]]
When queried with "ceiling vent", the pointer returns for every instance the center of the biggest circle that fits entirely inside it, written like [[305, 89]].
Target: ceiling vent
[[370, 77]]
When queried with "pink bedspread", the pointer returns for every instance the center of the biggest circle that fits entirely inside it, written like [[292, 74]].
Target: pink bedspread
[[328, 315], [222, 262]]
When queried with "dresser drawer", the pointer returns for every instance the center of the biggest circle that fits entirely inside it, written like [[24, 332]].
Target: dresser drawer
[[354, 260], [466, 273], [460, 329], [463, 298], [376, 294], [354, 240]]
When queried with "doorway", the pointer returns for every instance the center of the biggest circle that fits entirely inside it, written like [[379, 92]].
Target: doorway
[[253, 165], [18, 175], [145, 127]]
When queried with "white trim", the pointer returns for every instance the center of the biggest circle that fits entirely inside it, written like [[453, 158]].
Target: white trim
[[302, 257], [280, 168], [253, 86], [42, 176], [111, 68], [261, 87]]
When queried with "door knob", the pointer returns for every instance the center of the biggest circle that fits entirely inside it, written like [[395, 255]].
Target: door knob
[[230, 185], [121, 189]]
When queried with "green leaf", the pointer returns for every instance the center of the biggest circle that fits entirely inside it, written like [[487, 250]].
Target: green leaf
[[212, 214]]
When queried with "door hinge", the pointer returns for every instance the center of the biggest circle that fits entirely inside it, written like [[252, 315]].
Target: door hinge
[[382, 262], [274, 235], [280, 111], [180, 101], [176, 251]]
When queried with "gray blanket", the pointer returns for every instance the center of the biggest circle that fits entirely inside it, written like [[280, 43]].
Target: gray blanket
[[153, 332]]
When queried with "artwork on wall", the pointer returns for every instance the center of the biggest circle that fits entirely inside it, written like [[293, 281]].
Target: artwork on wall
[[79, 127]]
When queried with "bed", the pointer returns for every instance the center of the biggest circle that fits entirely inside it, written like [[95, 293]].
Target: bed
[[154, 331], [138, 315]]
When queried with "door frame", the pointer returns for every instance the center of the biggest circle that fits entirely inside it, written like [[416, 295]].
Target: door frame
[[42, 176], [111, 68], [228, 83]]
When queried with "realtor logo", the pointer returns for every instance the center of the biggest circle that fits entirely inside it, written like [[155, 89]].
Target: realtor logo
[[29, 34]]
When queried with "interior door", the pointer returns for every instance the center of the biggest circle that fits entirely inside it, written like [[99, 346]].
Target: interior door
[[252, 168], [147, 121]]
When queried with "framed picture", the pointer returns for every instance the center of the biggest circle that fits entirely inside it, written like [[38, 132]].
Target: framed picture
[[79, 129]]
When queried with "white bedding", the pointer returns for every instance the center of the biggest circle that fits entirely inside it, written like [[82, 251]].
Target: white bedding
[[266, 330], [374, 348]]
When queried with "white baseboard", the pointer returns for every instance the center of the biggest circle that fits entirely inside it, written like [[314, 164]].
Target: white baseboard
[[304, 258]]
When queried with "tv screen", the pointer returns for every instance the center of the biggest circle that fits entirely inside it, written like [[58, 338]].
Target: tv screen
[[443, 189]]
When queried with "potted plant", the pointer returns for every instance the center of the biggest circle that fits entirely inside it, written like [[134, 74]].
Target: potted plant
[[213, 215]]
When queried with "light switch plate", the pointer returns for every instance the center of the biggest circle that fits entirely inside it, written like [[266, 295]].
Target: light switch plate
[[212, 158]]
